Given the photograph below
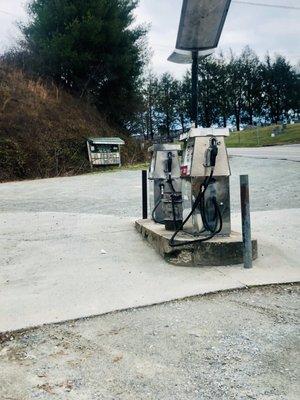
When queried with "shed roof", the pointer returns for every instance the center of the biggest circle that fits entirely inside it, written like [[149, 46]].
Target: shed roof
[[107, 140]]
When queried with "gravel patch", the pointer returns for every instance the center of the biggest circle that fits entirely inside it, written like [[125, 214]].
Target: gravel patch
[[274, 185], [237, 345]]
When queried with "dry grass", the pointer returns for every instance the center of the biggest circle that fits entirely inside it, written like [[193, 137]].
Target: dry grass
[[43, 129]]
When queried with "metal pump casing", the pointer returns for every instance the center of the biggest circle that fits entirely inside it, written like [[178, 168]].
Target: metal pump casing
[[194, 171], [158, 174]]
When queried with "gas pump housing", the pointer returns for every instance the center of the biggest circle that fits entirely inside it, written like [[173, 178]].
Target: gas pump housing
[[164, 173], [195, 169]]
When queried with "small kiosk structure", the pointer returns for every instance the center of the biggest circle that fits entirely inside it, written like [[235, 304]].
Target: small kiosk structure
[[104, 151]]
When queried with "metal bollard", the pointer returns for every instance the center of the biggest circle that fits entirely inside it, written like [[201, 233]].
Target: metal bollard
[[246, 222], [145, 194]]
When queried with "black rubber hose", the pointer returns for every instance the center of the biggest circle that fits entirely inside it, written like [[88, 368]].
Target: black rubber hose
[[205, 239], [203, 215], [198, 200], [206, 224], [153, 213], [202, 190], [170, 182]]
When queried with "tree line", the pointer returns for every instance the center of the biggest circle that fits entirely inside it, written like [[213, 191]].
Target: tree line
[[238, 90], [95, 50]]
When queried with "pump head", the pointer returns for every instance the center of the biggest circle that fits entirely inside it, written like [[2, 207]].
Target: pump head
[[211, 153], [165, 174]]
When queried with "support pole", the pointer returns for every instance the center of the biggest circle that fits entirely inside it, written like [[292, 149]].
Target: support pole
[[144, 194], [195, 67], [246, 222]]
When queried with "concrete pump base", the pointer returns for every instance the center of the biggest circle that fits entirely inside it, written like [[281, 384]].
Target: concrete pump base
[[215, 252]]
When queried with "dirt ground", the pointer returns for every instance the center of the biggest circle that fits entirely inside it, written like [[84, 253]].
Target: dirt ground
[[237, 345]]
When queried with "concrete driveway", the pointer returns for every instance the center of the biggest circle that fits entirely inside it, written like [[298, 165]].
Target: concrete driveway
[[68, 248]]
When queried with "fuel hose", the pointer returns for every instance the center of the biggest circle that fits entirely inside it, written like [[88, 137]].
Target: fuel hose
[[200, 201]]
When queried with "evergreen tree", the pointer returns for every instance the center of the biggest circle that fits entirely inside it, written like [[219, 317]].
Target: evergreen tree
[[223, 99], [252, 79], [166, 101], [182, 103], [209, 91], [89, 47], [236, 88], [281, 87], [150, 97]]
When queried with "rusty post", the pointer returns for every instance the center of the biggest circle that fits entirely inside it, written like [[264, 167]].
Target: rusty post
[[144, 194], [246, 221]]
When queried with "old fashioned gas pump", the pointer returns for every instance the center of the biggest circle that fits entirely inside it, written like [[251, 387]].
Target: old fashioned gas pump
[[205, 176], [199, 220], [164, 173], [205, 168]]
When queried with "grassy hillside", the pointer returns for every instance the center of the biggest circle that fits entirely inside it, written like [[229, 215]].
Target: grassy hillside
[[43, 130], [262, 137]]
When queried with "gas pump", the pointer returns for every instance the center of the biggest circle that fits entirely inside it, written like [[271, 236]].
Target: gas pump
[[164, 173], [202, 212], [205, 169], [205, 173]]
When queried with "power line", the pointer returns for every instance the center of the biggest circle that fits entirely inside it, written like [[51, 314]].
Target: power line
[[251, 3], [8, 13]]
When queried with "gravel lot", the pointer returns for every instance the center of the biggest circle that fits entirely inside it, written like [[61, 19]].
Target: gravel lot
[[274, 185], [282, 152], [206, 348]]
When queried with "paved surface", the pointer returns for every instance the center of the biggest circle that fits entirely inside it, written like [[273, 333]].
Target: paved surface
[[229, 346], [53, 269], [287, 152], [52, 233]]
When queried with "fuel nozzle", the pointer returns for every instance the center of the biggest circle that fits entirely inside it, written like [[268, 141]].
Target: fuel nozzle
[[211, 153], [169, 162], [162, 189], [169, 165]]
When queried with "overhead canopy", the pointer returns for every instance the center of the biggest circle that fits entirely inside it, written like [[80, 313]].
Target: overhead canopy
[[185, 56], [200, 28]]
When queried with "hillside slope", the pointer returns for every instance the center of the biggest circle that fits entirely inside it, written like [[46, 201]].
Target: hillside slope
[[262, 137], [43, 129]]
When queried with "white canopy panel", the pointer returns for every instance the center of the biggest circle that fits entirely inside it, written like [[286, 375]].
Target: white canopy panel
[[201, 24], [200, 28], [186, 56]]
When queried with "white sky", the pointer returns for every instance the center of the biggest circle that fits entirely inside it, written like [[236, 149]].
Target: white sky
[[264, 29]]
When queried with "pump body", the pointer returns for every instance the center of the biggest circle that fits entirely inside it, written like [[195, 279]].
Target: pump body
[[205, 167], [165, 190]]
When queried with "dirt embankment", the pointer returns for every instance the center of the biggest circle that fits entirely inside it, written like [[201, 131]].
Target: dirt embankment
[[43, 129]]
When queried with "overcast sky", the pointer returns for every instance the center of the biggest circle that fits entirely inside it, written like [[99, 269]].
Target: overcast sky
[[263, 28]]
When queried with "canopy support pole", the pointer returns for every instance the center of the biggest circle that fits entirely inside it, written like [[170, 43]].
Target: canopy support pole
[[195, 68]]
